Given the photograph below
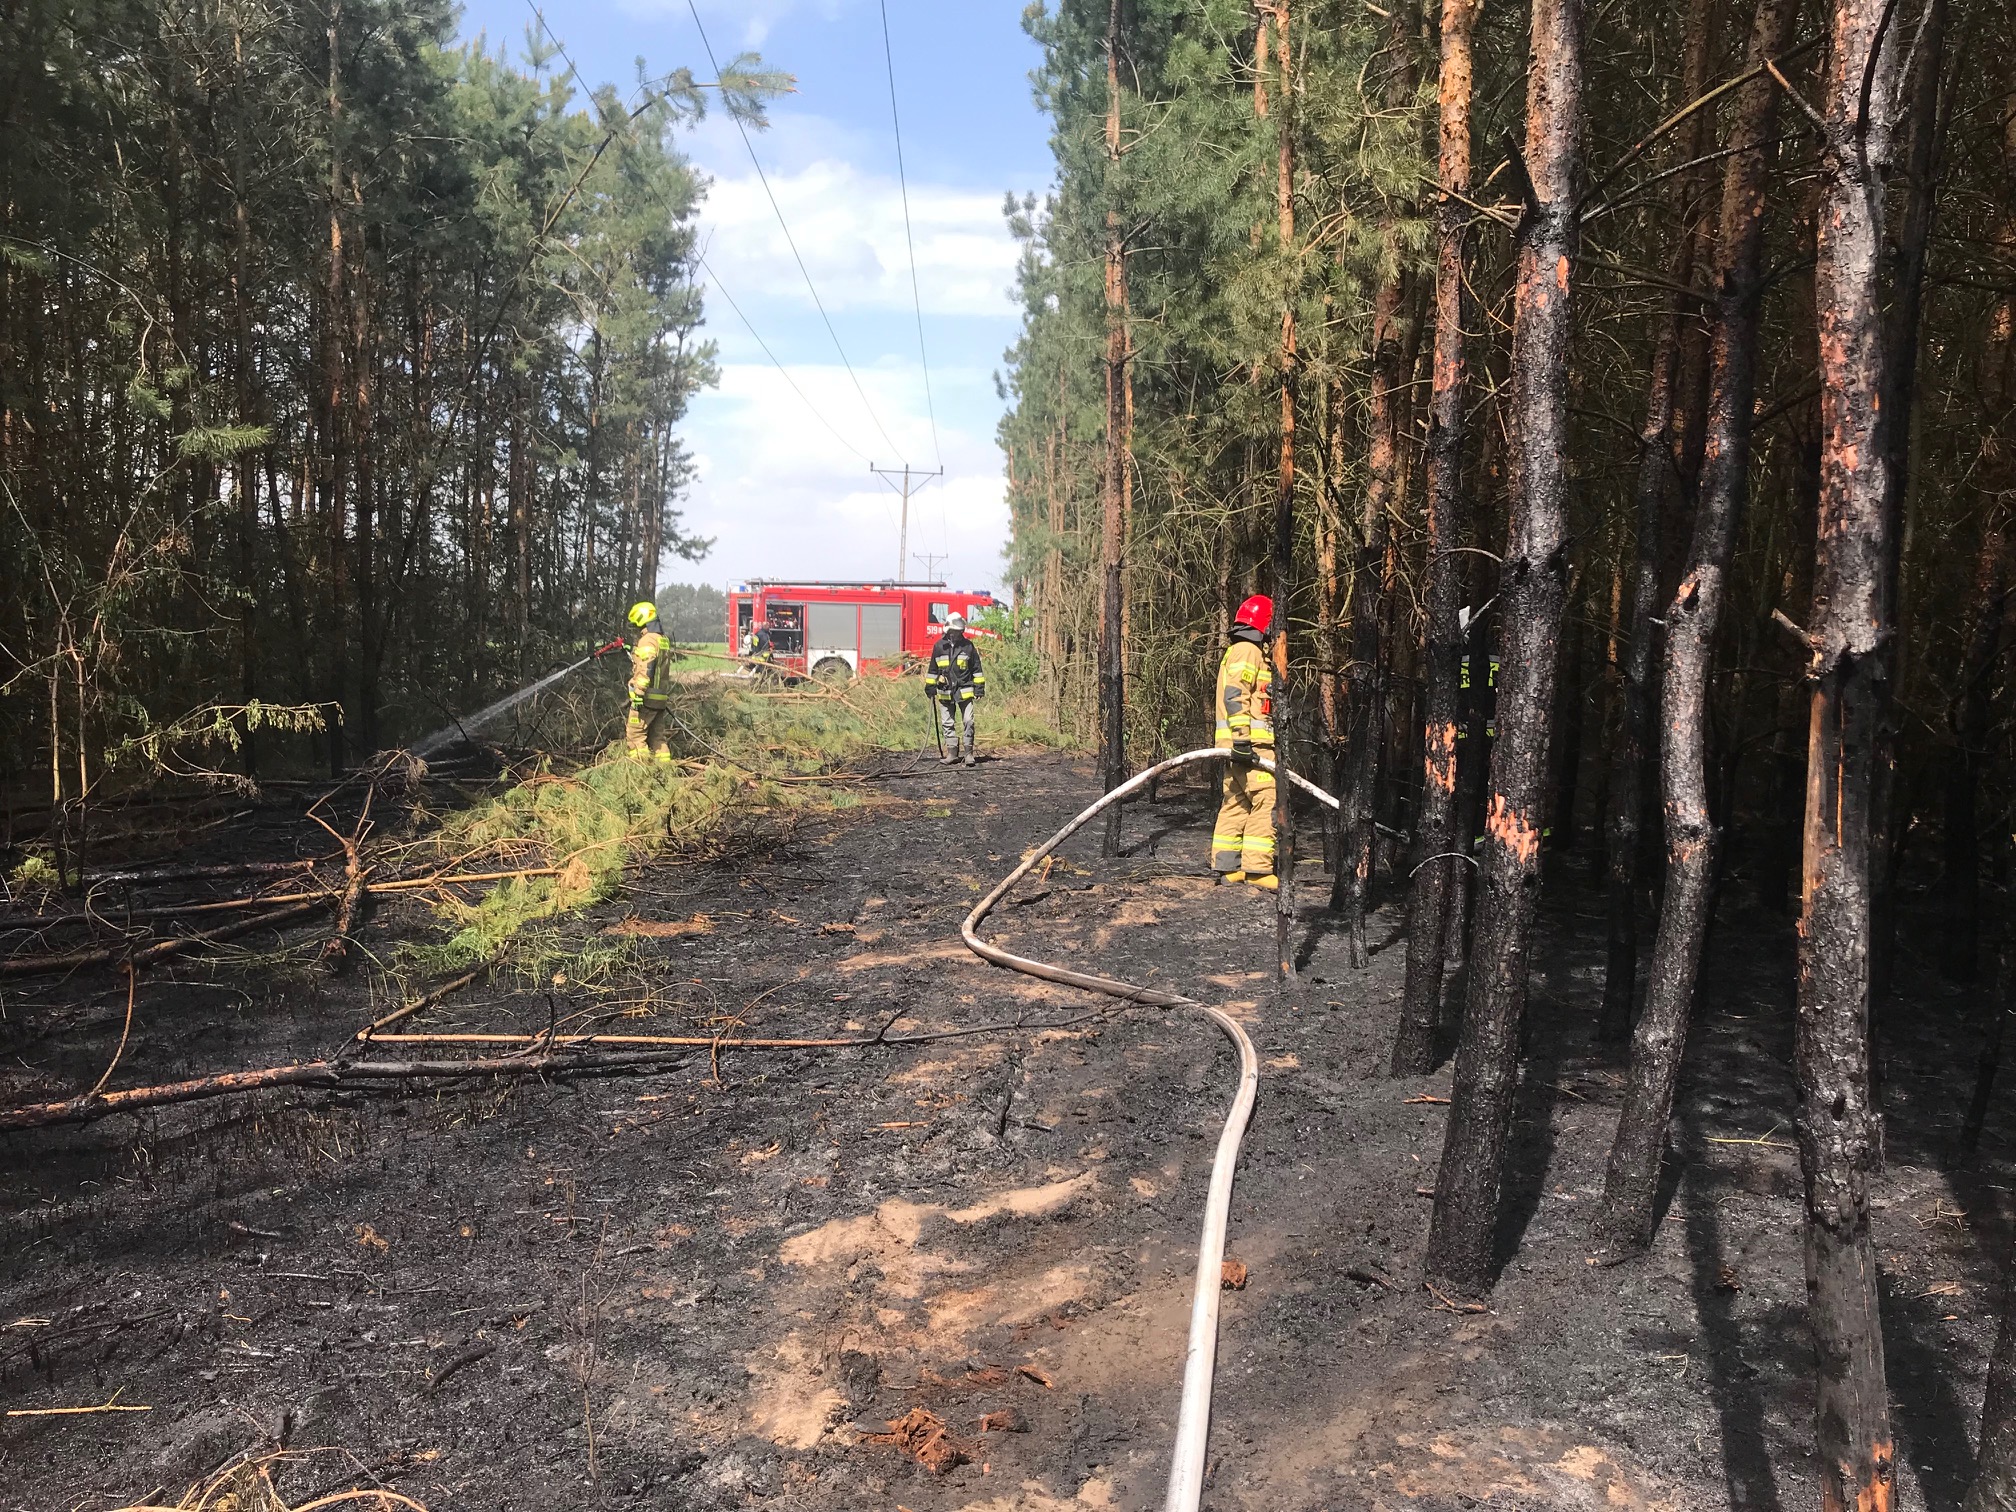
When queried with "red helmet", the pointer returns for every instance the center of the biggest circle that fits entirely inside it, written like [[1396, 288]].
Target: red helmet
[[1257, 611]]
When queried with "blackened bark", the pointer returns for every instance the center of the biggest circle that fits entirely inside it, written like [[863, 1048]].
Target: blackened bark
[[1994, 1488], [1989, 1061], [1358, 831], [1393, 352], [1631, 1185], [1850, 624], [1624, 820], [1435, 872], [1970, 722], [1533, 586], [1112, 521], [1900, 391], [1285, 720]]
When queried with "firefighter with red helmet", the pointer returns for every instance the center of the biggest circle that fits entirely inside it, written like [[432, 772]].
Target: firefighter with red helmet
[[1242, 842]]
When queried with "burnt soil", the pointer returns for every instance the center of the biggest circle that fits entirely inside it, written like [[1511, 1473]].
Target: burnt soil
[[710, 1286]]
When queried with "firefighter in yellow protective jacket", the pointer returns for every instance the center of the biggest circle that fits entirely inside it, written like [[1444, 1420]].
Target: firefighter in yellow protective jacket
[[647, 734], [1242, 843]]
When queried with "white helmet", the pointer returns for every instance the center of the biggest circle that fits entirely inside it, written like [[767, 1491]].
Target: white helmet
[[955, 621]]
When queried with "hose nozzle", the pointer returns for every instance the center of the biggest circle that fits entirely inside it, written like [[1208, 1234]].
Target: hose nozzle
[[601, 651]]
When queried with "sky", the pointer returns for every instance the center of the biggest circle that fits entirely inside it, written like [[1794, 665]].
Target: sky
[[784, 485]]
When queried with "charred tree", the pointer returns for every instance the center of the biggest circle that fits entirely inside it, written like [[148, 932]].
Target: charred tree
[[1632, 1182], [1924, 129], [1994, 1488], [1970, 716], [1112, 516], [1391, 370], [1533, 586], [1435, 830], [1629, 756], [1851, 619], [1285, 722]]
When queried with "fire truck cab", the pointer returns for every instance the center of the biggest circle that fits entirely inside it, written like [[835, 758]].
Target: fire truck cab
[[843, 629]]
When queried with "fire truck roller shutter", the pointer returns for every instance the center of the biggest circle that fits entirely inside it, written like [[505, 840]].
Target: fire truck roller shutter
[[833, 639], [881, 632]]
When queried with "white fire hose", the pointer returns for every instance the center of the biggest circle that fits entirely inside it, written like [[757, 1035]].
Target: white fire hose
[[1193, 1420]]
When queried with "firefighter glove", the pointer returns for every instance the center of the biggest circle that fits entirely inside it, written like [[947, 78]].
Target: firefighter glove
[[1242, 753]]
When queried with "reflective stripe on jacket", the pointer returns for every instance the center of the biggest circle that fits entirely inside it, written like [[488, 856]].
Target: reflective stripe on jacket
[[1245, 692], [952, 671], [651, 670]]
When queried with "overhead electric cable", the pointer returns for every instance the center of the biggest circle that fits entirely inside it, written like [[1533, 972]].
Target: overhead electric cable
[[701, 259], [909, 240], [782, 370], [785, 227]]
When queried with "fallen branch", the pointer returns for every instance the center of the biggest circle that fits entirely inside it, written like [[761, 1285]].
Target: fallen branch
[[148, 875], [324, 1073], [112, 1406], [335, 954], [160, 950], [725, 1042], [429, 999]]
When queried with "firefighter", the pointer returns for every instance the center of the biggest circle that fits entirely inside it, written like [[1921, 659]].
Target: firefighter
[[1242, 844], [648, 731], [954, 683], [757, 645]]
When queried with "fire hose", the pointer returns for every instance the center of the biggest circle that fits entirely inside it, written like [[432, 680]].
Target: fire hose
[[1193, 1420]]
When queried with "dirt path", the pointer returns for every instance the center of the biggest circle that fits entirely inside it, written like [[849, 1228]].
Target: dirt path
[[685, 1292]]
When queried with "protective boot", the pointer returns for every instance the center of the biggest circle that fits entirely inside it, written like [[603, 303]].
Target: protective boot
[[1265, 880], [1231, 876], [969, 758]]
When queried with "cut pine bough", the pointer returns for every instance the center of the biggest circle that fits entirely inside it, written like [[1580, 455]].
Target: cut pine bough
[[1193, 1422]]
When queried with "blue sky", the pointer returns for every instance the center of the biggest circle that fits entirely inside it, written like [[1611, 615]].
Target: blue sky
[[783, 495]]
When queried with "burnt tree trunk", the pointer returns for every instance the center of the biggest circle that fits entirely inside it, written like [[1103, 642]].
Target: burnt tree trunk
[[1994, 1488], [1286, 725], [1623, 828], [1631, 1185], [1435, 831], [1850, 623], [1971, 715], [1112, 521], [1358, 830], [1533, 584], [1924, 129], [1392, 368]]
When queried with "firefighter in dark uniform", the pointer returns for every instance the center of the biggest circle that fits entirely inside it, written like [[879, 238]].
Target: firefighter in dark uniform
[[1242, 841], [954, 682], [757, 645], [647, 734]]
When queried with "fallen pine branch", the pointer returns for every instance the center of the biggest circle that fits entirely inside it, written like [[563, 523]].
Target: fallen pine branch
[[160, 950], [335, 954], [148, 875], [323, 1073], [543, 1053], [429, 999]]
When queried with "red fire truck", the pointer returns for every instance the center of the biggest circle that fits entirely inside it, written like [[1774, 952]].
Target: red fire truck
[[831, 629]]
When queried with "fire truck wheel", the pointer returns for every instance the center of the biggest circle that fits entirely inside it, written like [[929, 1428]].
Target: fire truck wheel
[[833, 669]]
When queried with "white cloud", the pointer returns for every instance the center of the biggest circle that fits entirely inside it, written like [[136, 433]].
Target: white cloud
[[848, 227], [738, 25], [784, 497]]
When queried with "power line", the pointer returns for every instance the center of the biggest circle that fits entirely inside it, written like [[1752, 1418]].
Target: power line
[[785, 227], [909, 240], [701, 259], [783, 371]]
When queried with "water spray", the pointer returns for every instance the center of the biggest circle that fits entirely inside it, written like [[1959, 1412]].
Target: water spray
[[460, 729]]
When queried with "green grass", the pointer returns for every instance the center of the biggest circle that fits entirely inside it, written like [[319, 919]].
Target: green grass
[[707, 663], [742, 752]]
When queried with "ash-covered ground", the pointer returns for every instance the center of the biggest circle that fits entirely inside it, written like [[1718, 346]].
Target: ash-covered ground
[[717, 1286]]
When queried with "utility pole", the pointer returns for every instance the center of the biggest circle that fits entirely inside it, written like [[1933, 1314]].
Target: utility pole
[[930, 559], [907, 487]]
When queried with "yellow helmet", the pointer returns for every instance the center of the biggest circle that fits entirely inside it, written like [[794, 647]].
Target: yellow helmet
[[642, 613]]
